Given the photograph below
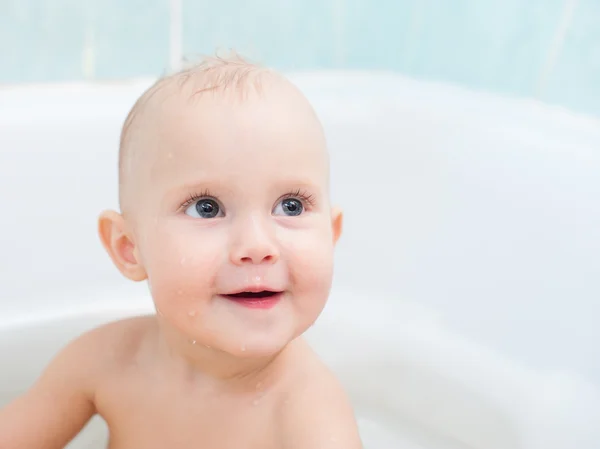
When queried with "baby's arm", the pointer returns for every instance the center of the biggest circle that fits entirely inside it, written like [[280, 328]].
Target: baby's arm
[[320, 416], [58, 405]]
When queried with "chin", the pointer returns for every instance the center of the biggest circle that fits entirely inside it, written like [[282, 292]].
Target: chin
[[262, 344]]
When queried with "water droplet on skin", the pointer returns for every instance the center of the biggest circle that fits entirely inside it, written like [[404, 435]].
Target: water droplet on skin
[[208, 347], [257, 279], [193, 342], [192, 313]]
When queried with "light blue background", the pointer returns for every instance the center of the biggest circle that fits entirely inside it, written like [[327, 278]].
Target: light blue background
[[503, 46]]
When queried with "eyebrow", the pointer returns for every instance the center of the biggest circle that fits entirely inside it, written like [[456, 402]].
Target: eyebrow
[[207, 184], [218, 186]]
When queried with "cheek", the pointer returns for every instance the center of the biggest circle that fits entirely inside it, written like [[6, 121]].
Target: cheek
[[309, 256], [181, 264]]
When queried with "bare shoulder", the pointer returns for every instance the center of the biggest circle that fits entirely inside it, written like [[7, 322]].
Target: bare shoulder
[[95, 353], [62, 400], [317, 412], [114, 343], [104, 348]]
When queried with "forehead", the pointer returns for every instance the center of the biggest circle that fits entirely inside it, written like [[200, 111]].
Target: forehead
[[272, 134]]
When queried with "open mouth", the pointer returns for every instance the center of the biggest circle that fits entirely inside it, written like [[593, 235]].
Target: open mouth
[[262, 299], [253, 295]]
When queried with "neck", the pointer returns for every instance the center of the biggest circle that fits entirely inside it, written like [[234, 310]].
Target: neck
[[195, 361]]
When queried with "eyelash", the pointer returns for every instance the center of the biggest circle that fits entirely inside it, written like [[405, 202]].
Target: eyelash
[[205, 194], [307, 198]]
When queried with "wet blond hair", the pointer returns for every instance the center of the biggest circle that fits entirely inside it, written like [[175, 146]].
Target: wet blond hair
[[218, 74]]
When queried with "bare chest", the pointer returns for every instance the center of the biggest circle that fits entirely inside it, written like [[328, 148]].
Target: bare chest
[[146, 416]]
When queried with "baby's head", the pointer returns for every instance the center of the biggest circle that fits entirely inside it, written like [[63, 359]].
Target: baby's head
[[224, 192]]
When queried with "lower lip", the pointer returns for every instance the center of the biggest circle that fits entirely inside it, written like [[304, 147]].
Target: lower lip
[[257, 303]]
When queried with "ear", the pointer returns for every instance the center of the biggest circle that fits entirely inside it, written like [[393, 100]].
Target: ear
[[119, 245], [336, 223]]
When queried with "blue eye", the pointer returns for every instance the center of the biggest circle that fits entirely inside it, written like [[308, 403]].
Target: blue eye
[[291, 207], [204, 208]]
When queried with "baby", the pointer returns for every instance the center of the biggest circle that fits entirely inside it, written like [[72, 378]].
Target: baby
[[225, 211]]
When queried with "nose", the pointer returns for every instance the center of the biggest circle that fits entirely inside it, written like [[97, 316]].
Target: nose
[[253, 243]]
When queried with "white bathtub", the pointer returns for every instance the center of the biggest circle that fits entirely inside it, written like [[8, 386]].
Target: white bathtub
[[465, 305]]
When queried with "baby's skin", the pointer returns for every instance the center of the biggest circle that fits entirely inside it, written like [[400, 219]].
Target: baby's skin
[[225, 213]]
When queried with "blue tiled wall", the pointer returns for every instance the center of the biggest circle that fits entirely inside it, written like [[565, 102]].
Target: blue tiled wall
[[544, 48]]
